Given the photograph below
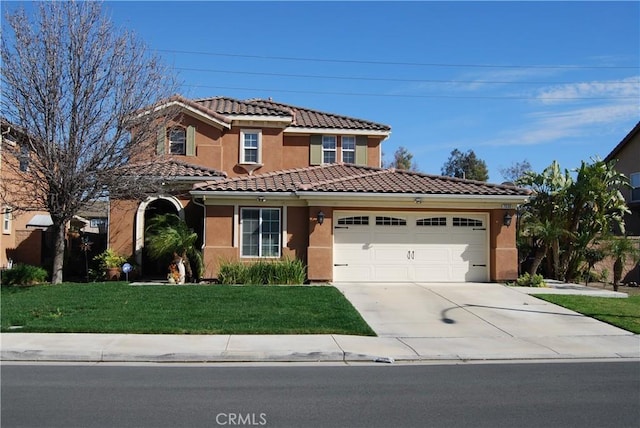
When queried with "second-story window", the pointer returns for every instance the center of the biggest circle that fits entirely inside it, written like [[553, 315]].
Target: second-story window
[[634, 179], [328, 149], [24, 158], [6, 220], [349, 149], [250, 142], [177, 141]]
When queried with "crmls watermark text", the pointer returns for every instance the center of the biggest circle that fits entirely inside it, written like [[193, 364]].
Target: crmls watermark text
[[238, 419]]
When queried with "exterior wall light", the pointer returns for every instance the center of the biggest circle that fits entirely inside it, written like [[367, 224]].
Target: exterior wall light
[[320, 217], [260, 199], [506, 220], [418, 200]]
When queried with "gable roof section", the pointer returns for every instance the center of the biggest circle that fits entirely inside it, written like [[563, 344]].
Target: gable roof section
[[173, 169], [621, 144], [342, 178], [300, 118]]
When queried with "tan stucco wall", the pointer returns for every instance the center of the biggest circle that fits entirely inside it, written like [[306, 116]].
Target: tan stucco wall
[[320, 253], [122, 226], [503, 254]]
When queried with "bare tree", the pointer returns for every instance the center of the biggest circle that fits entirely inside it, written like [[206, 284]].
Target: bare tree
[[514, 172], [73, 82]]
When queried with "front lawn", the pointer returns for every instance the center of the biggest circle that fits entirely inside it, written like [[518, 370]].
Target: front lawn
[[621, 312], [168, 309]]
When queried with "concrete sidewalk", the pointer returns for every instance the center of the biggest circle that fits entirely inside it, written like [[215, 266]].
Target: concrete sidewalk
[[414, 323], [308, 348]]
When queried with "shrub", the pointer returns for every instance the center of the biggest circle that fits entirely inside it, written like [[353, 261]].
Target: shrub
[[528, 280], [263, 272], [232, 273], [22, 274], [110, 259]]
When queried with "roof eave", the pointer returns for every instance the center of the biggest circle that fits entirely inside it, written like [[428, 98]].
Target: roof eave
[[303, 130], [423, 196]]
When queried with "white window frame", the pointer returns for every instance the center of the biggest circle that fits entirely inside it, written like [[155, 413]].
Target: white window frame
[[261, 232], [327, 142], [351, 150], [634, 180], [178, 143], [7, 219], [243, 148]]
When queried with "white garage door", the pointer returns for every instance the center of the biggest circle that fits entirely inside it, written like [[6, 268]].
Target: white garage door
[[401, 247]]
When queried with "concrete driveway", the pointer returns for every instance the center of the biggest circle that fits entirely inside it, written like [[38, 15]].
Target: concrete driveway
[[464, 310]]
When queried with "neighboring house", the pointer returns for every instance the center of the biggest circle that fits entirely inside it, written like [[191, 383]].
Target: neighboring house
[[627, 153], [24, 237], [259, 179]]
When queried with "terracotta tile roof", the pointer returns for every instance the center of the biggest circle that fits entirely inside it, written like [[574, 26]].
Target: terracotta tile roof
[[173, 168], [301, 117], [342, 178]]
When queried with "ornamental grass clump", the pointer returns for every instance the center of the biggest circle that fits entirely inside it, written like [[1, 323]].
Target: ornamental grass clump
[[263, 272]]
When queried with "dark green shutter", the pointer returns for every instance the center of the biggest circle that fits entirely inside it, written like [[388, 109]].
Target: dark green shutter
[[315, 150], [191, 141], [161, 140], [361, 149]]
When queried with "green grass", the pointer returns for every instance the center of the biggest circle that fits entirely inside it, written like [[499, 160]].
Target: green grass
[[621, 312], [192, 309]]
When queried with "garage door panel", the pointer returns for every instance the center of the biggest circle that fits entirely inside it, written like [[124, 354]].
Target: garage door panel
[[351, 237], [432, 255], [427, 248], [397, 236]]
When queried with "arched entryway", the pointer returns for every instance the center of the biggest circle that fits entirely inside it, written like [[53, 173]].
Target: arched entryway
[[148, 209]]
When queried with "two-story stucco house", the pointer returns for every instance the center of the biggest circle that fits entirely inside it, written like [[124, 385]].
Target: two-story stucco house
[[24, 237], [262, 179], [627, 153]]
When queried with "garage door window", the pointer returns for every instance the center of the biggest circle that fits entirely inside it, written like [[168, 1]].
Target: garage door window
[[260, 232], [361, 220], [433, 221], [466, 222], [390, 221]]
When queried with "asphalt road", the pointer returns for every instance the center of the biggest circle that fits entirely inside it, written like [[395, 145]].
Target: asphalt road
[[473, 395]]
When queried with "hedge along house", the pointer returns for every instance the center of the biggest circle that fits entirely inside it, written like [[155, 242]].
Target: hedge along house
[[274, 181]]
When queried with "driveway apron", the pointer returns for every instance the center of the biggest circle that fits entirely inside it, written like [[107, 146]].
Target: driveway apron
[[459, 310]]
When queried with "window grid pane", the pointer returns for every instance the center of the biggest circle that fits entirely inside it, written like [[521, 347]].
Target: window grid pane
[[466, 222], [250, 146], [260, 232], [358, 220], [390, 221], [328, 149], [434, 221], [177, 139]]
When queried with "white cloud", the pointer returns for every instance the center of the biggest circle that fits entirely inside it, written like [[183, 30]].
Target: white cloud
[[628, 88], [548, 127]]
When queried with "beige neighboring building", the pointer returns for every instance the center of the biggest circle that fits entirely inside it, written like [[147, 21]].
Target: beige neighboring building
[[627, 152]]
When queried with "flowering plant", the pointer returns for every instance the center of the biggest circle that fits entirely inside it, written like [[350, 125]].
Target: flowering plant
[[174, 275]]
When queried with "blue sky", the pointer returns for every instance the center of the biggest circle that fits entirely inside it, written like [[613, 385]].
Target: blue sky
[[540, 81]]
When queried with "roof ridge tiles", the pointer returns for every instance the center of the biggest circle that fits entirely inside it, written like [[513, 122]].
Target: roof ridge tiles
[[354, 175]]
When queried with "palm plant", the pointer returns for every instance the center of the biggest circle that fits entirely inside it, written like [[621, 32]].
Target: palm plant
[[166, 235], [621, 249]]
